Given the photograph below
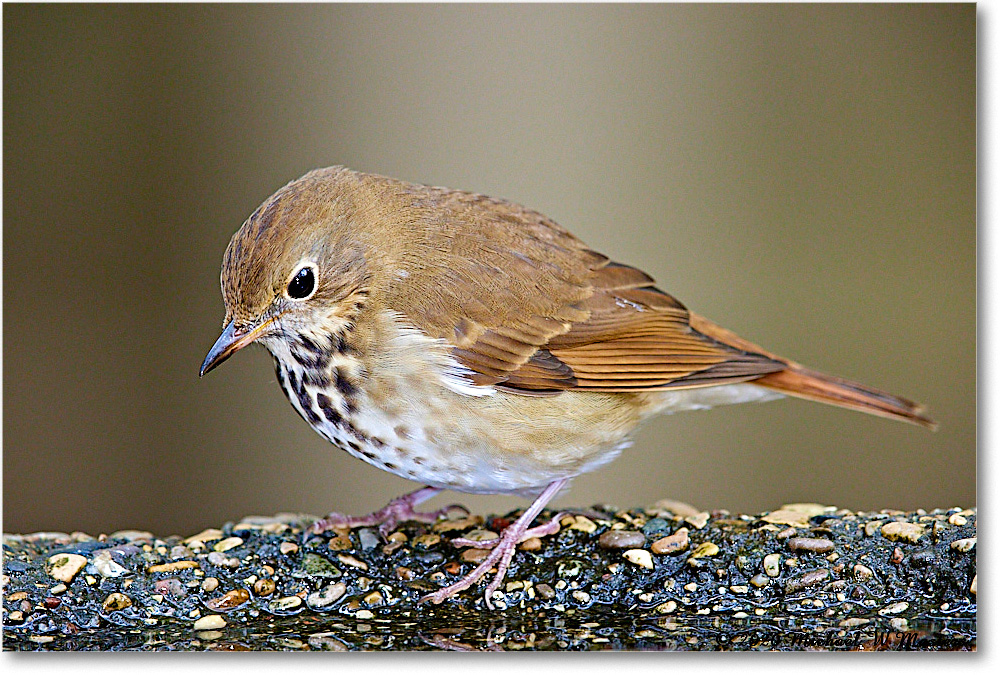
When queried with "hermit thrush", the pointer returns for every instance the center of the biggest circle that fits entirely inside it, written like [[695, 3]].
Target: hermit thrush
[[469, 343]]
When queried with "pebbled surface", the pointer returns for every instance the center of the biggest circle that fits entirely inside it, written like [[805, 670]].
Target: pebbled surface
[[667, 577]]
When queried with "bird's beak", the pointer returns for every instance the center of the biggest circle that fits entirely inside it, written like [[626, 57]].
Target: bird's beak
[[230, 342]]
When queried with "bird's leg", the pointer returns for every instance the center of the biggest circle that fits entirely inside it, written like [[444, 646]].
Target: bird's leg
[[503, 549], [396, 511]]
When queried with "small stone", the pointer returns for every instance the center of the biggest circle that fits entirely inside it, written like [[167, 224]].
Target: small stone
[[854, 622], [482, 535], [58, 589], [668, 607], [64, 566], [806, 580], [640, 557], [698, 520], [897, 556], [227, 543], [691, 587], [808, 545], [899, 624], [263, 587], [704, 550], [531, 544], [899, 530], [772, 564], [374, 599], [894, 608], [210, 622], [674, 543], [341, 542], [545, 591], [739, 590], [326, 596], [873, 526], [787, 517], [17, 597], [426, 541], [964, 545], [17, 616], [457, 525], [106, 566], [621, 539], [41, 639], [368, 538], [288, 547], [116, 601], [231, 600], [209, 584], [327, 642], [172, 566], [352, 561], [474, 555], [760, 580], [203, 536], [364, 614], [581, 596], [957, 519], [862, 572], [583, 524], [285, 604], [972, 587], [673, 507]]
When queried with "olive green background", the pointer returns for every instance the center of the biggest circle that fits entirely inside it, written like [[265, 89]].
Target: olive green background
[[803, 175]]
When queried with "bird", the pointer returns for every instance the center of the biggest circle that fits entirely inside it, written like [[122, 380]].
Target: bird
[[469, 343]]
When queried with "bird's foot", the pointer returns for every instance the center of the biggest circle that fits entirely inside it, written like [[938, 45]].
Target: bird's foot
[[392, 514], [503, 549]]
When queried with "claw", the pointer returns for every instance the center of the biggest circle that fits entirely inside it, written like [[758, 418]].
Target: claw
[[387, 518]]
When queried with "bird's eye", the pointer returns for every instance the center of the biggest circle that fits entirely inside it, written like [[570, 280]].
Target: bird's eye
[[302, 284]]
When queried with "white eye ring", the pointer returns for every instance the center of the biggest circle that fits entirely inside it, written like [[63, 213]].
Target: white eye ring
[[303, 284]]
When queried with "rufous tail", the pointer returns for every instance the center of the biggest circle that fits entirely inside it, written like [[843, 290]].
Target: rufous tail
[[811, 385], [797, 380]]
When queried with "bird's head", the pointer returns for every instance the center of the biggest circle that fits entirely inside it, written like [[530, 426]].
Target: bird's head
[[297, 269]]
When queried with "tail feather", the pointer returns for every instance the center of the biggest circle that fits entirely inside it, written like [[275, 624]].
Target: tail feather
[[814, 386], [797, 380]]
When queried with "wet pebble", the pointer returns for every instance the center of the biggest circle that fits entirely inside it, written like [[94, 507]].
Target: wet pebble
[[474, 555], [209, 584], [285, 604], [545, 591], [210, 622], [621, 539], [65, 566], [368, 538], [862, 572], [964, 545], [231, 600], [640, 557], [116, 601], [957, 519], [809, 545], [760, 580], [326, 596], [806, 580], [772, 564], [172, 566], [263, 587], [171, 586], [426, 541], [674, 543], [288, 547], [898, 530], [704, 550], [227, 544]]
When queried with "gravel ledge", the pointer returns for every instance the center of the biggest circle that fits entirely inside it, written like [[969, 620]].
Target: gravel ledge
[[669, 576]]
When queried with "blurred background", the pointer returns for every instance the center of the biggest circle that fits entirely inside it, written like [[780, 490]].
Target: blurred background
[[804, 175]]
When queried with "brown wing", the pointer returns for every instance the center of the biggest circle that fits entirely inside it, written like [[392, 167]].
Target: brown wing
[[529, 308]]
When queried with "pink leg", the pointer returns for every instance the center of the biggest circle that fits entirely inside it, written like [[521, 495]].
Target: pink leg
[[396, 511], [503, 549]]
